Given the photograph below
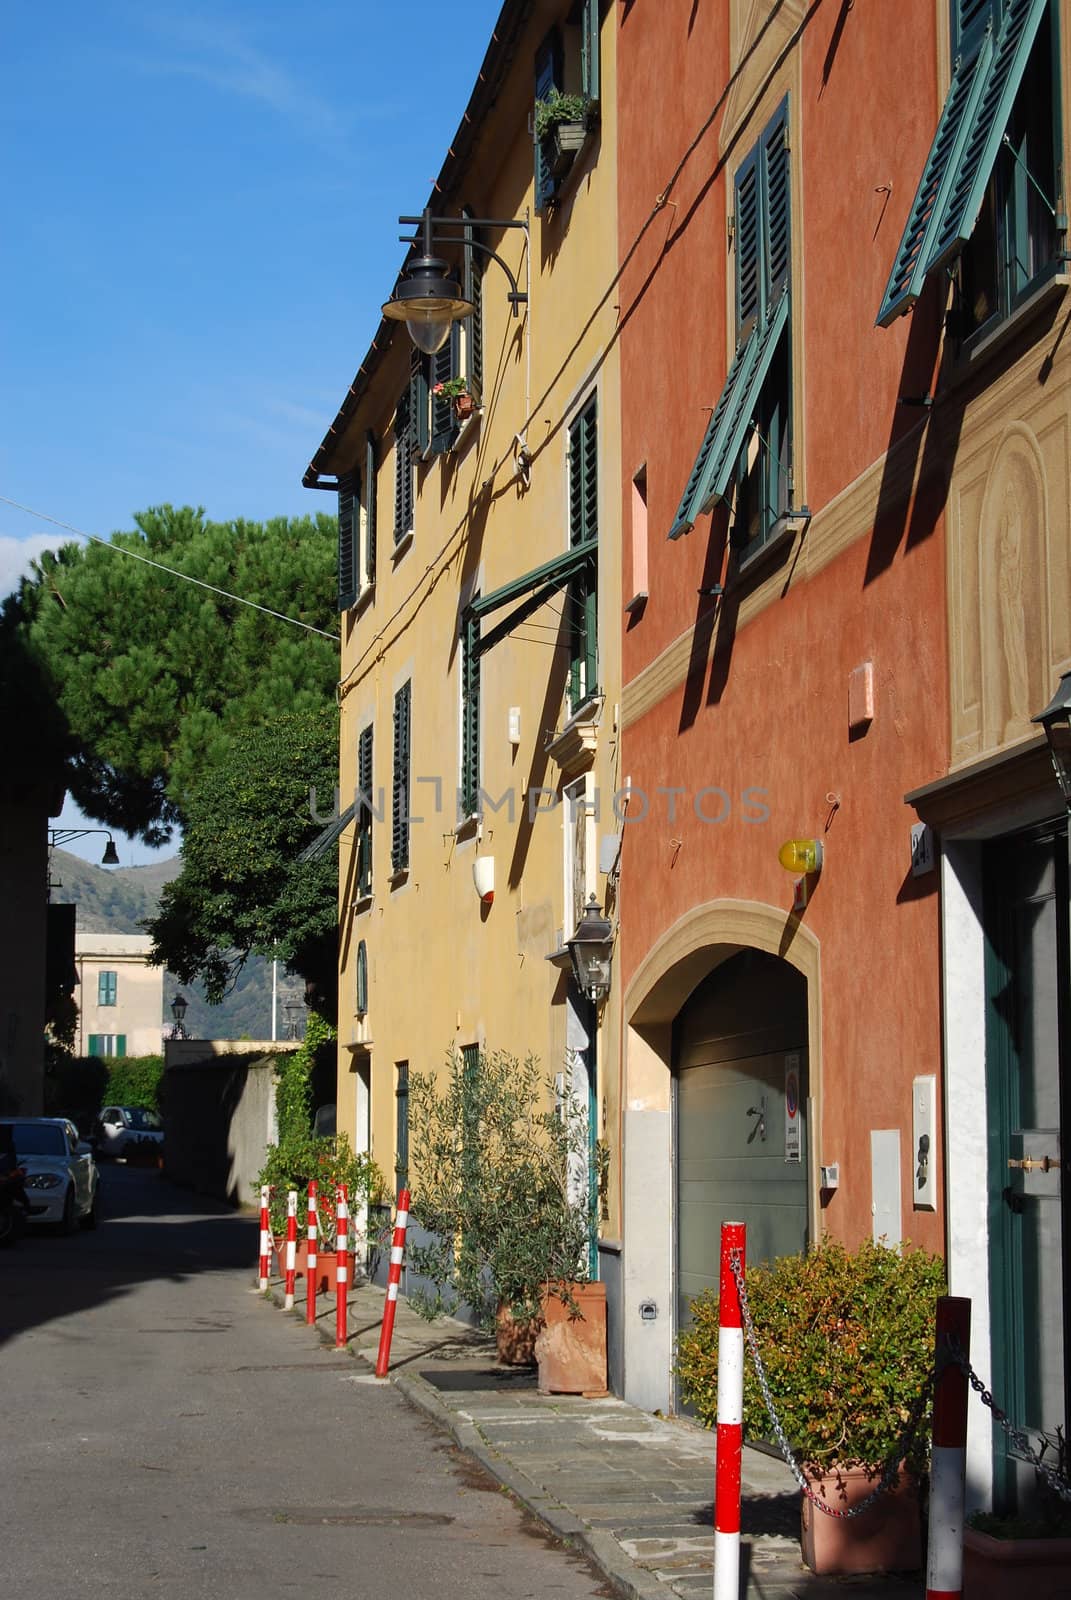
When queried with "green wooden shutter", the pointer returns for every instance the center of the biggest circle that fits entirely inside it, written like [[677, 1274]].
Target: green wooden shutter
[[740, 410], [364, 814], [419, 402], [94, 1045], [776, 209], [927, 209], [589, 49], [403, 466], [548, 76], [472, 289], [370, 469], [696, 490], [362, 978], [399, 853], [978, 155], [445, 364], [347, 541], [401, 1129], [470, 714], [120, 1044], [748, 243], [582, 598], [970, 19]]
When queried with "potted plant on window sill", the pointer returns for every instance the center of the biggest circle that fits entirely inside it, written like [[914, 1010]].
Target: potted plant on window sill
[[847, 1342], [493, 1177], [562, 123], [457, 391]]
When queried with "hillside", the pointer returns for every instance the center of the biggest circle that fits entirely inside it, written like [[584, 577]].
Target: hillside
[[119, 899]]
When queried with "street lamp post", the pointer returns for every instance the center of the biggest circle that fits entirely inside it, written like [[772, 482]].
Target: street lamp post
[[178, 1011]]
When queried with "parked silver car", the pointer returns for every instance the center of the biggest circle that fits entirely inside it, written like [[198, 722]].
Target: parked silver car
[[61, 1174], [117, 1128]]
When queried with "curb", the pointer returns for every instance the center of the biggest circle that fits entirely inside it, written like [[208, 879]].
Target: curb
[[601, 1549]]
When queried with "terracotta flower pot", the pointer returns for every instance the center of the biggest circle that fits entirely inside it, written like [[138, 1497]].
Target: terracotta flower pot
[[464, 406], [514, 1339], [571, 1348], [886, 1538], [1004, 1569], [325, 1264]]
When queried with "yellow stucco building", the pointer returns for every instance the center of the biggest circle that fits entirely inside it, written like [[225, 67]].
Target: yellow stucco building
[[481, 601]]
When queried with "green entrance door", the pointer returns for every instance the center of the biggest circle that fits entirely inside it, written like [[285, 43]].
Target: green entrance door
[[741, 1085], [1027, 1084]]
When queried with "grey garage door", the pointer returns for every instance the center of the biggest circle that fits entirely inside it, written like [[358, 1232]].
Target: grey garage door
[[742, 1146]]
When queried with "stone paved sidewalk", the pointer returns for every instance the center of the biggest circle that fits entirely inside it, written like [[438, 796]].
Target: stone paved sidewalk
[[635, 1491]]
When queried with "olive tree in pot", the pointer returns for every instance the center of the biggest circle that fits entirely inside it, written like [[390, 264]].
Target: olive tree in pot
[[493, 1173], [847, 1340]]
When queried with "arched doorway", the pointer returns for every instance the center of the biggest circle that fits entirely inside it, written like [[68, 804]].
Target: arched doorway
[[741, 1136]]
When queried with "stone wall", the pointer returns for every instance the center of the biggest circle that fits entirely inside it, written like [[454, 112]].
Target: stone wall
[[219, 1109]]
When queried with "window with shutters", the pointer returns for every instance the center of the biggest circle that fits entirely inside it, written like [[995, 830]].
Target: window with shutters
[[745, 459], [987, 202], [582, 595], [412, 436], [107, 1044], [566, 70], [401, 781], [469, 786], [365, 806], [401, 1127], [107, 988], [348, 540], [367, 571]]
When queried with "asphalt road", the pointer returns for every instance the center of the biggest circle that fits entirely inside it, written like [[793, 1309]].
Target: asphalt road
[[164, 1433]]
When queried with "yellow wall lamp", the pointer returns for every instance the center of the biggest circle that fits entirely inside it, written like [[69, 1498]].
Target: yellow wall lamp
[[804, 858]]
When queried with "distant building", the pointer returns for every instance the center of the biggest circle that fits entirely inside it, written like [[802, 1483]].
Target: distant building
[[120, 998]]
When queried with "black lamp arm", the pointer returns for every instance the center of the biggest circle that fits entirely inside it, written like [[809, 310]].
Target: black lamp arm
[[428, 238]]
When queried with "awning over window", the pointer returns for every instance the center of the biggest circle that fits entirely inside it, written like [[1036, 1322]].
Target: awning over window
[[328, 836], [732, 416], [533, 589], [960, 164]]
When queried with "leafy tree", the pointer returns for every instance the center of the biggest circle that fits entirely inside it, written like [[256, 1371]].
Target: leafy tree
[[155, 676], [241, 889]]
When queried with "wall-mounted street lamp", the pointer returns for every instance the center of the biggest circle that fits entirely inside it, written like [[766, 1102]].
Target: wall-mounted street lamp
[[58, 837], [1056, 720], [591, 949], [178, 1011], [426, 298]]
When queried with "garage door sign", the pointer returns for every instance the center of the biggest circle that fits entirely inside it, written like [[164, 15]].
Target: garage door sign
[[792, 1108]]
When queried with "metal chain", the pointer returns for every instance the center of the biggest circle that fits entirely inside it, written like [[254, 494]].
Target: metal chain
[[1019, 1439], [891, 1470]]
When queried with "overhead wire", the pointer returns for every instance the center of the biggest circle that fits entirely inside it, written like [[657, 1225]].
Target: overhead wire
[[172, 572]]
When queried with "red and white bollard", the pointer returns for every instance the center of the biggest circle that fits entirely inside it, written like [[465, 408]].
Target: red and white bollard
[[948, 1462], [264, 1268], [730, 1416], [310, 1254], [291, 1250], [341, 1269], [394, 1278]]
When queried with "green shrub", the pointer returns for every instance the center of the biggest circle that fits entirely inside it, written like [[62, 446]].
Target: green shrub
[[295, 1161], [293, 1078], [77, 1086], [134, 1081], [847, 1342]]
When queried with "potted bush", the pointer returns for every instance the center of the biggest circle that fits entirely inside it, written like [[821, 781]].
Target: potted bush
[[498, 1182], [300, 1157], [847, 1342], [561, 126], [1031, 1549]]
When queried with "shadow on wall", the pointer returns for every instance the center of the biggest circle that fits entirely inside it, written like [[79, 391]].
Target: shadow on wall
[[219, 1115]]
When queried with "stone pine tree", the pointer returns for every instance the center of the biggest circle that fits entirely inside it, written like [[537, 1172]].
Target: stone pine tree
[[188, 710]]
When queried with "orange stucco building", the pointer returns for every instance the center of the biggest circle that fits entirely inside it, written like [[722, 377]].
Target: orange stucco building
[[812, 639]]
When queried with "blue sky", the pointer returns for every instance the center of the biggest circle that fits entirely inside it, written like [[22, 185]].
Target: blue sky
[[201, 210]]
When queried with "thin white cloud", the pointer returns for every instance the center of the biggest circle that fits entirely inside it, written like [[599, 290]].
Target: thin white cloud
[[16, 555], [220, 54]]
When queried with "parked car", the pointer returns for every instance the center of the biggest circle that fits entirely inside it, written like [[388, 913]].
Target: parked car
[[119, 1130], [61, 1174]]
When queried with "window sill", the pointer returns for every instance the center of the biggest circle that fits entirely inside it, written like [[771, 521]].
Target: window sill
[[398, 878], [637, 605], [364, 599], [750, 562], [467, 828], [402, 545], [573, 748], [363, 903], [988, 341]]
